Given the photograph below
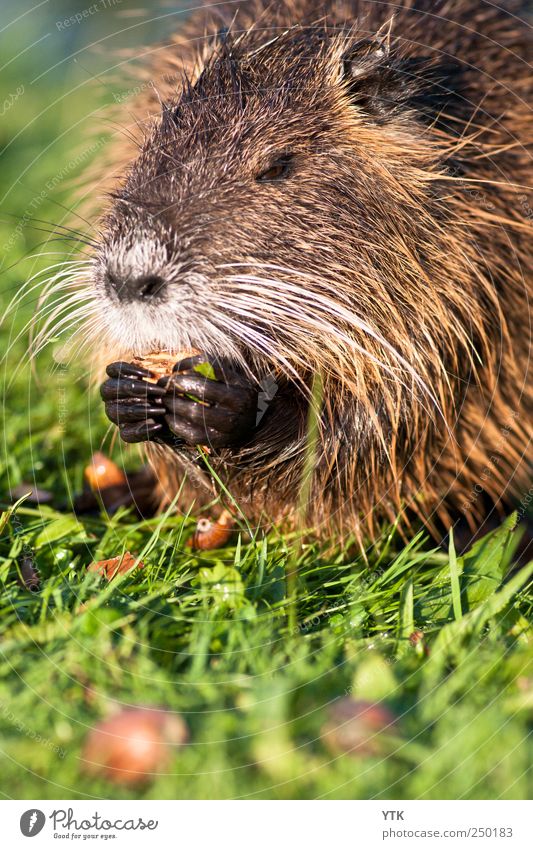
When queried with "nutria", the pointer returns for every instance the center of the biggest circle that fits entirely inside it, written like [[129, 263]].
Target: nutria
[[338, 189]]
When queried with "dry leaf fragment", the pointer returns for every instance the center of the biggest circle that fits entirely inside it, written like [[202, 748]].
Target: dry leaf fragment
[[115, 565]]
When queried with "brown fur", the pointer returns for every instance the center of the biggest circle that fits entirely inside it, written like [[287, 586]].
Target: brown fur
[[396, 261]]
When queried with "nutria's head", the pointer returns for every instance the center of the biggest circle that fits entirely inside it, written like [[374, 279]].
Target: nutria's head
[[289, 208]]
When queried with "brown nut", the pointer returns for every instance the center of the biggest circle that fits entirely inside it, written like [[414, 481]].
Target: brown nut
[[212, 534], [102, 473], [357, 727], [161, 362], [134, 745]]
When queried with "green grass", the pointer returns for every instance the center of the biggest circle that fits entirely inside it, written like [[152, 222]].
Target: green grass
[[214, 636]]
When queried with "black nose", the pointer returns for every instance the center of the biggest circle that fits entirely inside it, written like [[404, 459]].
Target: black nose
[[147, 287]]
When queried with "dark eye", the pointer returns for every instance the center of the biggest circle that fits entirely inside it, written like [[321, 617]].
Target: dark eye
[[279, 169]]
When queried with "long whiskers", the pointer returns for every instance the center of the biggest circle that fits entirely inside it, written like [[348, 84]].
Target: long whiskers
[[296, 310]]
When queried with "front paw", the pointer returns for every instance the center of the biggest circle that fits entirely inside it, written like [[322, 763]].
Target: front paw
[[133, 403], [201, 411]]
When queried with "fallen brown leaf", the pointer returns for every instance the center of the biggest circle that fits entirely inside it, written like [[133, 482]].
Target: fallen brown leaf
[[115, 565]]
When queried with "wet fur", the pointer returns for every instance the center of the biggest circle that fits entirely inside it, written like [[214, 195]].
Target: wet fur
[[396, 260]]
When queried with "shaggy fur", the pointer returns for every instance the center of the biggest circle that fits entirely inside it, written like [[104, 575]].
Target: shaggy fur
[[395, 259]]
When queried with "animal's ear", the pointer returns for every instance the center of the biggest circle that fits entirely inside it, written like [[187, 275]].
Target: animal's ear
[[366, 55], [367, 70], [383, 80]]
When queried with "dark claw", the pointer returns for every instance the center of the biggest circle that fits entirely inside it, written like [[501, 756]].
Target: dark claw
[[216, 417], [140, 432], [231, 397], [126, 410], [227, 375], [188, 363], [196, 434], [223, 371], [166, 437], [126, 387], [122, 369]]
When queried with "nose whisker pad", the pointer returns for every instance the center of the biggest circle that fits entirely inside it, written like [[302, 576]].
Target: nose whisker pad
[[150, 287], [144, 287]]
